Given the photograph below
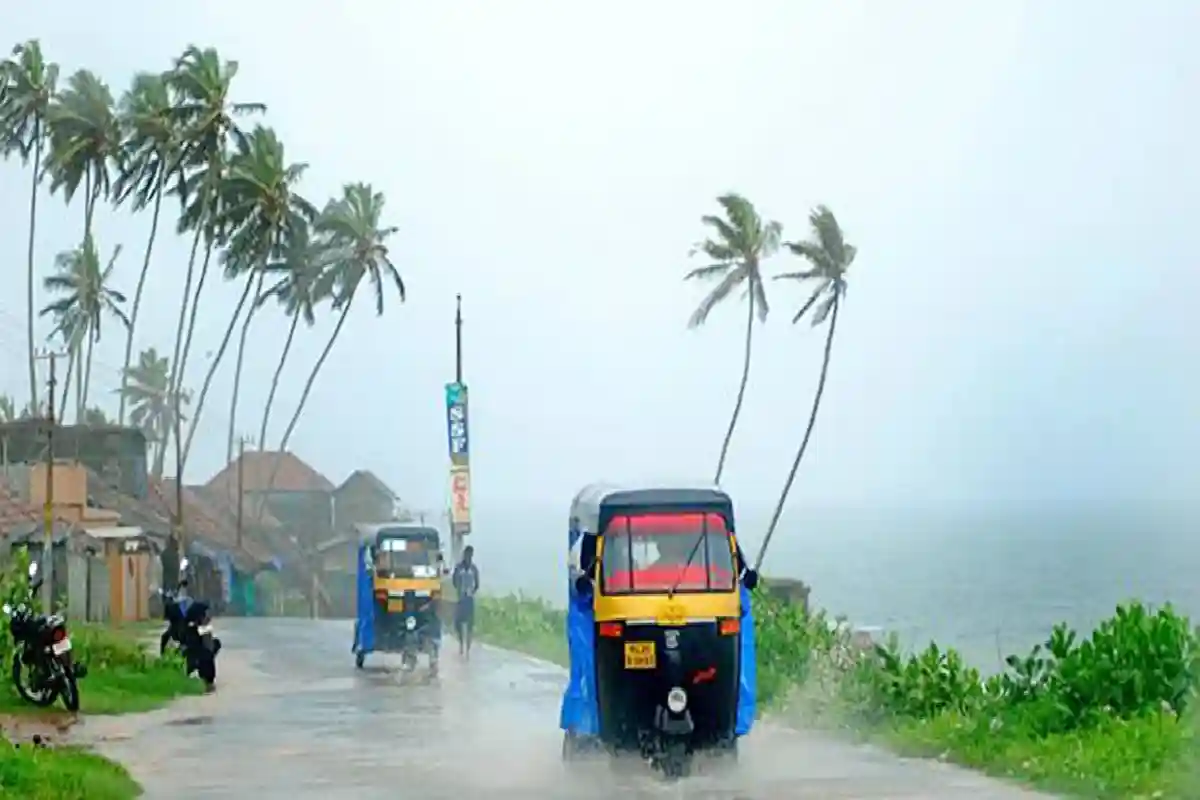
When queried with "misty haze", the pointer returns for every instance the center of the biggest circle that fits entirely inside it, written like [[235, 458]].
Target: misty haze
[[1006, 439]]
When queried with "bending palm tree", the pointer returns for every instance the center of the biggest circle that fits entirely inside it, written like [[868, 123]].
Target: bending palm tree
[[29, 85], [300, 273], [85, 139], [262, 210], [149, 154], [71, 328], [201, 81], [741, 243], [87, 299], [358, 249], [152, 406], [829, 257]]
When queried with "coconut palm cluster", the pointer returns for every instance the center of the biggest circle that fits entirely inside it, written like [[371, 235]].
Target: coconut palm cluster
[[180, 147]]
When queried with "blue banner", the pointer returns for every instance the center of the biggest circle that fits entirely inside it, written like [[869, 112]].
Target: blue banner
[[457, 438]]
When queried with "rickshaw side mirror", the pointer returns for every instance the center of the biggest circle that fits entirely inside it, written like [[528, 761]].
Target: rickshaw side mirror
[[583, 583], [750, 578]]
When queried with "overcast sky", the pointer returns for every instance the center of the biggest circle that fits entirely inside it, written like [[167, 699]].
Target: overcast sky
[[1020, 179]]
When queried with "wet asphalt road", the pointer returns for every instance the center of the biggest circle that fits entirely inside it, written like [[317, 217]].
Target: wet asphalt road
[[293, 719]]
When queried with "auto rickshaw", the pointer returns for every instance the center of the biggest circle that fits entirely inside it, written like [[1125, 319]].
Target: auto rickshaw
[[400, 570], [659, 626]]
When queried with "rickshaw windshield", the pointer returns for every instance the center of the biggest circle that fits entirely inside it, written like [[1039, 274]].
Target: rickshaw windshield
[[404, 558], [649, 554]]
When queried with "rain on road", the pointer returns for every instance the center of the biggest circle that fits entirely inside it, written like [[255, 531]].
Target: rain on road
[[293, 719]]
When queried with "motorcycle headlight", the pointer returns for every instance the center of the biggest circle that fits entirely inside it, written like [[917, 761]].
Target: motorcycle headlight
[[677, 700], [411, 623]]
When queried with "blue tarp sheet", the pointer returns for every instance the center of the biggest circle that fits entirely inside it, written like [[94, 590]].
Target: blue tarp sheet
[[580, 710], [364, 624]]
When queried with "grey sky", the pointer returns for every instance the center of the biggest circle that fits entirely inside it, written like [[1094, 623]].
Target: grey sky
[[1020, 179]]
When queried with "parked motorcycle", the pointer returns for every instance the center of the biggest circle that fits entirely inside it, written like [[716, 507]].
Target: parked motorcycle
[[43, 668], [189, 625]]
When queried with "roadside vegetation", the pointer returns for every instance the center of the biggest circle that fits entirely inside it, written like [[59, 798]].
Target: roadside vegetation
[[123, 677], [1103, 715]]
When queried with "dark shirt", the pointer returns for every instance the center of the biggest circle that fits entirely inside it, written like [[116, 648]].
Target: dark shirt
[[466, 579]]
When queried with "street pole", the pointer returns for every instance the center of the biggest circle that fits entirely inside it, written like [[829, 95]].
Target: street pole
[[177, 408], [456, 537], [241, 464], [47, 566]]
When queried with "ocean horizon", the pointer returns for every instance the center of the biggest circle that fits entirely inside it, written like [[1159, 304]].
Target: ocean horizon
[[986, 583]]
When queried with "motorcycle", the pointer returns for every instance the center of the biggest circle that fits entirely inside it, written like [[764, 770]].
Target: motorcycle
[[419, 635], [190, 627], [43, 668]]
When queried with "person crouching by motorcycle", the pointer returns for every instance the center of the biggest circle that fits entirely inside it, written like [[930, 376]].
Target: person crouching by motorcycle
[[175, 608], [200, 647]]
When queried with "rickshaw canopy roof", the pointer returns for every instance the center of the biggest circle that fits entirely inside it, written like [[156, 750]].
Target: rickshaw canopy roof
[[369, 535], [594, 499]]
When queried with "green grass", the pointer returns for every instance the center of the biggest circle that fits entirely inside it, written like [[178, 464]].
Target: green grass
[[123, 677], [1036, 726], [61, 773]]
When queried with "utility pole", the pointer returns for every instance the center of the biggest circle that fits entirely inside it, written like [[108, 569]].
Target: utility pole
[[458, 339], [177, 413], [241, 487], [47, 563]]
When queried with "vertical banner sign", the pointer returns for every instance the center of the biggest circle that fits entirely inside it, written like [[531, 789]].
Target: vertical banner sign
[[458, 440]]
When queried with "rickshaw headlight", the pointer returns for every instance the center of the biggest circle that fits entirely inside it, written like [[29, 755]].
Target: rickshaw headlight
[[411, 623], [677, 700]]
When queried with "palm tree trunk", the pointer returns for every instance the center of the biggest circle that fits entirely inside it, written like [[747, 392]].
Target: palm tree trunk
[[137, 296], [33, 192], [237, 371], [79, 384], [308, 385], [741, 395], [287, 348], [812, 420], [212, 370], [66, 389], [87, 374], [177, 376], [191, 327]]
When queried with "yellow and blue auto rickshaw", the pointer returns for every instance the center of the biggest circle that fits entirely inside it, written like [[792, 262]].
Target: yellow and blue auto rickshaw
[[400, 570], [659, 626]]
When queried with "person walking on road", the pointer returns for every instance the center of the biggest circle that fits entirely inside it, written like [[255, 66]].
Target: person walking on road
[[466, 584]]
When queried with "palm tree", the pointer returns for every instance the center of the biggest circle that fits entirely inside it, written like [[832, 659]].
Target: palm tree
[[29, 83], [357, 240], [262, 210], [85, 140], [71, 328], [299, 272], [152, 406], [742, 241], [201, 82], [149, 154], [87, 298], [95, 416], [829, 257]]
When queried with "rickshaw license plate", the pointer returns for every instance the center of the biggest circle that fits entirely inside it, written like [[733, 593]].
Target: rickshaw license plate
[[640, 655], [396, 606], [671, 613]]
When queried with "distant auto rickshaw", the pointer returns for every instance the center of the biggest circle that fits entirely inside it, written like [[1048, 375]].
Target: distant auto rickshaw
[[659, 626], [400, 570]]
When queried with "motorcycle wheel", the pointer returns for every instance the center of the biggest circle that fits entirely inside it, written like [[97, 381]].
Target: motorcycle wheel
[[69, 690], [42, 699]]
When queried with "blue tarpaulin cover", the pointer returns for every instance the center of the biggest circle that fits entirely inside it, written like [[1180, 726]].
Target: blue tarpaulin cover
[[364, 624], [749, 685]]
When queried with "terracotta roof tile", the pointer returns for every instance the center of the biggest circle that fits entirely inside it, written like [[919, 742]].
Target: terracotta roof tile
[[371, 479], [201, 520], [13, 510], [293, 475]]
